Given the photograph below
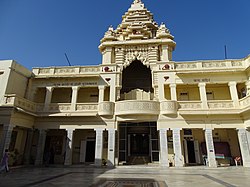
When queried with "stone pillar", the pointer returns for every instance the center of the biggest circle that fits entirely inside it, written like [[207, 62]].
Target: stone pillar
[[163, 148], [74, 97], [68, 149], [247, 87], [173, 92], [48, 97], [112, 94], [203, 95], [6, 138], [165, 55], [244, 147], [101, 93], [107, 55], [210, 148], [177, 147], [248, 137], [28, 145], [161, 91], [234, 93], [111, 147], [40, 147], [98, 147]]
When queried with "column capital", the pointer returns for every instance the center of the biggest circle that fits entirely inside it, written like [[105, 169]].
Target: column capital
[[202, 84], [101, 87], [163, 130], [75, 88], [99, 129], [176, 129], [173, 85], [208, 129], [50, 88], [232, 83]]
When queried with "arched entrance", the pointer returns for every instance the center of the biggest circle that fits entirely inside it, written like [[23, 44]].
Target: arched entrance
[[136, 76]]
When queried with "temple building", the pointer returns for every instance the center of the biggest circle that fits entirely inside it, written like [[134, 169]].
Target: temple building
[[138, 107]]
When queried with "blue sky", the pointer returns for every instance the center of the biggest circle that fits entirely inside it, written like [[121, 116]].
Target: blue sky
[[37, 33]]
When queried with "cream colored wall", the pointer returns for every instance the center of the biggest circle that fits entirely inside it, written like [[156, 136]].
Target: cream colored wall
[[22, 120], [88, 95], [40, 95], [220, 92], [80, 135], [61, 95]]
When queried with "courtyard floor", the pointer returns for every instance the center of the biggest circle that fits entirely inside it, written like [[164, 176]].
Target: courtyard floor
[[126, 176]]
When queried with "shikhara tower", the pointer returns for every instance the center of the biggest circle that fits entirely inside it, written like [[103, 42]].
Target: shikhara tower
[[137, 107]]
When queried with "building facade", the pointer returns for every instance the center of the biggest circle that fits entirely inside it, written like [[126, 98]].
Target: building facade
[[137, 107]]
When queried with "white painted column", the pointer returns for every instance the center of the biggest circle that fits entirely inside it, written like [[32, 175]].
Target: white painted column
[[111, 147], [203, 95], [68, 149], [234, 93], [40, 147], [101, 93], [177, 147], [74, 97], [112, 94], [210, 148], [161, 91], [6, 138], [165, 54], [244, 147], [48, 97], [163, 148], [28, 145], [98, 147], [107, 55], [173, 92], [247, 87]]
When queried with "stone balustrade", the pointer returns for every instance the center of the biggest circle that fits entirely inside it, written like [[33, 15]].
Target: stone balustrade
[[168, 107], [66, 70], [127, 107], [221, 104], [132, 107], [14, 100], [106, 108], [190, 105]]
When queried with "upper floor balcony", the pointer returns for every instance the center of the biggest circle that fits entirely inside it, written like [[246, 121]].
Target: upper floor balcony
[[127, 107]]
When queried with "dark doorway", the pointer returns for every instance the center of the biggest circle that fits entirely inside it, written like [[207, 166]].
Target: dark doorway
[[139, 144], [90, 151], [191, 152], [136, 75]]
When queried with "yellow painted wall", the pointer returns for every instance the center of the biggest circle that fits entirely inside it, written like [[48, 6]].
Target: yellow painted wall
[[106, 94], [167, 92], [61, 95], [220, 91], [192, 90], [88, 95]]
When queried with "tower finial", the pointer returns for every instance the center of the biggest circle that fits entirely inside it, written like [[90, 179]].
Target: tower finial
[[137, 1]]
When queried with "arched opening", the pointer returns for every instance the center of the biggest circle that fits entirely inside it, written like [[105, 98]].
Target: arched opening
[[137, 77]]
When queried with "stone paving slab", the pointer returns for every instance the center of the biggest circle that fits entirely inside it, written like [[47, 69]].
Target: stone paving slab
[[126, 177]]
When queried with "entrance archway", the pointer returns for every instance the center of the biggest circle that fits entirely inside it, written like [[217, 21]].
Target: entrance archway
[[136, 76]]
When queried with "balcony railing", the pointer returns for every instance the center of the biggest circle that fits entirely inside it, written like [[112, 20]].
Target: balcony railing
[[14, 100], [127, 107], [132, 107]]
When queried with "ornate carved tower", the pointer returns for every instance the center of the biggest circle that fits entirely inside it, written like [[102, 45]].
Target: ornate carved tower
[[137, 38]]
